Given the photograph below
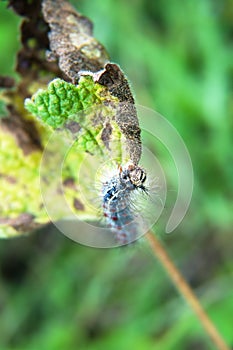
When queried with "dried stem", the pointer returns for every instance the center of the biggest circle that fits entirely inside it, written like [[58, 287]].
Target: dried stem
[[186, 291]]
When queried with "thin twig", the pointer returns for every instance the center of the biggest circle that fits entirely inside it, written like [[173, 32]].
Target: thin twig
[[186, 291]]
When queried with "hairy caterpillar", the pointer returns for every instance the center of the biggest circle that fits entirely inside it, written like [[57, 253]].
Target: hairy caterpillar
[[117, 202]]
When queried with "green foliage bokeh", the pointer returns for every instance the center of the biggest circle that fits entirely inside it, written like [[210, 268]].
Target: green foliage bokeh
[[55, 294]]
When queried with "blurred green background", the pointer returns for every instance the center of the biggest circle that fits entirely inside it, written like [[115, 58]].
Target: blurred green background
[[56, 294]]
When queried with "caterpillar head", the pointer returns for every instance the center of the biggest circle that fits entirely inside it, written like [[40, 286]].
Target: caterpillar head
[[133, 176]]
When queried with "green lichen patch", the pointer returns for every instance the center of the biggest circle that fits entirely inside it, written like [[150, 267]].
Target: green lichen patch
[[61, 100], [86, 113], [20, 189], [19, 182]]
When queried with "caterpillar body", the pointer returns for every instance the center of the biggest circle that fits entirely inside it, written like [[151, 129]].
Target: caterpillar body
[[117, 202]]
